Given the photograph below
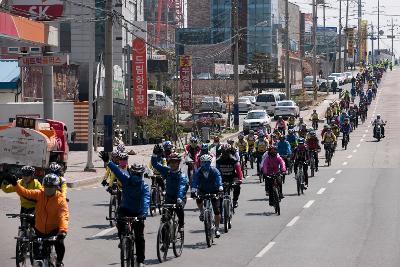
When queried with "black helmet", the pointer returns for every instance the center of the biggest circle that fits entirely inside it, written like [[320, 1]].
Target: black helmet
[[136, 169], [51, 180], [27, 170], [174, 157]]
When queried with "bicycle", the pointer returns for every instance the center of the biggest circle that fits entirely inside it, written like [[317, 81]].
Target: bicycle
[[315, 124], [251, 156], [345, 140], [312, 162], [227, 207], [168, 232], [300, 178], [209, 220], [328, 153], [276, 180], [243, 162], [46, 255], [113, 205], [190, 168], [24, 245], [156, 196], [127, 250]]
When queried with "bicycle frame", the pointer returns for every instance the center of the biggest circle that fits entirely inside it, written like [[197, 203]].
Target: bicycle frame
[[47, 256]]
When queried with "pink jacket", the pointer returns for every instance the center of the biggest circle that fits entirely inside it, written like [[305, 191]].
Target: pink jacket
[[273, 165]]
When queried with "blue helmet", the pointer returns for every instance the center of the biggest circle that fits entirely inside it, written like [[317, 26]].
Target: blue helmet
[[204, 147], [301, 140], [167, 145]]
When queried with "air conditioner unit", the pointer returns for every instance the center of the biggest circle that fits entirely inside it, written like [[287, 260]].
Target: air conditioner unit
[[13, 50], [35, 49]]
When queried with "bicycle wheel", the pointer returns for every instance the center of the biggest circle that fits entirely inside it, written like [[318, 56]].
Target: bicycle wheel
[[208, 228], [159, 200], [162, 242], [153, 202], [177, 244], [112, 210], [298, 183], [312, 167], [302, 183], [276, 201], [226, 213], [21, 253], [125, 253]]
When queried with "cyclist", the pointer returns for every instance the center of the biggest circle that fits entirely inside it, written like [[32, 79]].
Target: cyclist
[[122, 158], [243, 148], [302, 128], [231, 171], [207, 180], [176, 182], [216, 145], [135, 202], [301, 155], [342, 117], [291, 122], [284, 150], [51, 214], [234, 151], [329, 141], [158, 177], [168, 148], [193, 150], [380, 122], [108, 174], [281, 125], [292, 138], [261, 146], [29, 182], [56, 168], [346, 129], [312, 143], [315, 119], [272, 164], [205, 149]]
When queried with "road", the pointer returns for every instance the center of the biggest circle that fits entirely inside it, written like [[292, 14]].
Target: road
[[348, 216]]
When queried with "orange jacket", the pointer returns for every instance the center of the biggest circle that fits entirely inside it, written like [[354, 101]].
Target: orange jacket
[[51, 213]]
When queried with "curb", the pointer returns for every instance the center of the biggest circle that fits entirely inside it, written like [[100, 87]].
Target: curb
[[84, 182]]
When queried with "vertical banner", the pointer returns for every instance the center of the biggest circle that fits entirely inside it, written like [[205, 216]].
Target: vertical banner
[[350, 42], [185, 82], [139, 76]]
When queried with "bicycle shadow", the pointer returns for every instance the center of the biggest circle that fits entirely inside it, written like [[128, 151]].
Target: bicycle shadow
[[258, 199], [113, 236], [96, 226], [196, 231], [266, 213], [198, 245], [101, 205]]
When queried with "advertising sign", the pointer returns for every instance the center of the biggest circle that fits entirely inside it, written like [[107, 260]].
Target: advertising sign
[[350, 42], [139, 75], [42, 61], [185, 82], [38, 9]]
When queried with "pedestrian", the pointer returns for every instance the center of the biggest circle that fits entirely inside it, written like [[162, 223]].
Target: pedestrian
[[334, 86]]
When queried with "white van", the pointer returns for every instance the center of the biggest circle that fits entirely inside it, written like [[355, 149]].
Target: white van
[[268, 101], [158, 99]]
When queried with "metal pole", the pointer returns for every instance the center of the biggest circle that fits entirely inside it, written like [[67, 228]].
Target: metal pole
[[392, 58], [346, 35], [287, 65], [129, 85], [339, 69], [97, 102], [379, 25], [108, 96], [314, 60], [235, 9], [359, 31], [372, 41], [48, 92], [89, 162], [325, 46]]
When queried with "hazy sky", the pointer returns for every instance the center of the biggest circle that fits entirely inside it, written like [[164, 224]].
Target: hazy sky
[[387, 7]]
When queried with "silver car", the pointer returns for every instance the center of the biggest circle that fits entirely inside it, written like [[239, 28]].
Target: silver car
[[212, 103], [245, 104], [254, 119]]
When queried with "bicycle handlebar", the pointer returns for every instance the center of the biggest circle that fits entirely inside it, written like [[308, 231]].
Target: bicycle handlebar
[[23, 215]]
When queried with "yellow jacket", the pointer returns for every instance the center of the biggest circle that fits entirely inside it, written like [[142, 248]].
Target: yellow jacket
[[329, 137], [243, 146], [155, 172], [25, 203]]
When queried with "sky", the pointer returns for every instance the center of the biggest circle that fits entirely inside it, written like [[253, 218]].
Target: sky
[[370, 7]]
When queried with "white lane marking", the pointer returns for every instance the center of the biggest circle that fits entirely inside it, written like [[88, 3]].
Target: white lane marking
[[358, 145], [364, 135], [369, 126], [366, 132], [293, 221], [309, 203], [104, 232], [189, 198], [355, 151], [321, 191], [339, 172], [78, 189], [361, 140], [349, 156], [265, 250], [331, 180], [345, 163]]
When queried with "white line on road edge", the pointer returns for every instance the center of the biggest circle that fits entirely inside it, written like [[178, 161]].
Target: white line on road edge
[[339, 172], [349, 156], [344, 163], [355, 151], [104, 232], [358, 145], [321, 191], [309, 203], [265, 250], [331, 180], [293, 221]]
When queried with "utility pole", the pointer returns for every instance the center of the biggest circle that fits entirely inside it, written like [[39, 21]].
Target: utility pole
[[392, 58], [339, 69], [108, 95], [325, 45], [314, 37], [48, 92], [379, 25], [287, 44], [372, 41], [359, 31], [346, 35], [235, 9]]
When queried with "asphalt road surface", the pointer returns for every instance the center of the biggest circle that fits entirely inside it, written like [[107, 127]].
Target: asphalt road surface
[[349, 216]]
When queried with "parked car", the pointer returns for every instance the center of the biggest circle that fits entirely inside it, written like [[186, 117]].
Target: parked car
[[349, 76], [286, 108], [341, 76], [212, 103], [331, 79], [210, 119], [245, 104], [159, 100], [308, 83], [267, 101], [251, 98], [254, 118]]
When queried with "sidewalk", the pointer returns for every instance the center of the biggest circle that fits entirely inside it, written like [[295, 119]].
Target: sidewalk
[[76, 177]]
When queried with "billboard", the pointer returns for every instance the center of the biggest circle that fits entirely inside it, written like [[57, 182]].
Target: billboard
[[350, 42], [363, 41], [139, 75], [185, 82], [38, 9]]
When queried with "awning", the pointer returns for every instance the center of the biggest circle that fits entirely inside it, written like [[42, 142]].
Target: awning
[[9, 74]]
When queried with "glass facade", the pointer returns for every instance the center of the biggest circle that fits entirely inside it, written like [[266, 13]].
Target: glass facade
[[221, 20], [99, 30]]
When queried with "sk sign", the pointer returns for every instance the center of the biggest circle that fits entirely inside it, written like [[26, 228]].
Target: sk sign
[[38, 9]]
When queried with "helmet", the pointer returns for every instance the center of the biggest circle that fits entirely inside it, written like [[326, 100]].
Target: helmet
[[313, 133], [114, 153], [241, 136], [346, 119], [174, 157], [27, 170], [136, 169], [378, 116], [55, 168], [225, 148], [314, 110], [301, 141], [204, 146], [329, 128], [193, 139], [206, 158], [301, 119], [272, 148], [291, 131], [230, 141], [261, 134], [167, 145], [51, 180], [282, 137], [280, 118], [251, 132], [121, 148], [122, 156]]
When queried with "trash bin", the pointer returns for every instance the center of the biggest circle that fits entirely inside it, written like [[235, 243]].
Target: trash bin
[[205, 134]]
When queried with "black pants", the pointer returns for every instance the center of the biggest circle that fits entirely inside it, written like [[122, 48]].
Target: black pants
[[315, 155], [28, 211], [235, 187], [58, 245], [258, 156], [138, 229], [160, 181], [268, 188], [305, 170], [214, 202], [180, 213]]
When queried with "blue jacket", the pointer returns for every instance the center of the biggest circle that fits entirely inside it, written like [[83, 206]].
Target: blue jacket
[[135, 193], [346, 128], [176, 182], [284, 148], [292, 139], [208, 184]]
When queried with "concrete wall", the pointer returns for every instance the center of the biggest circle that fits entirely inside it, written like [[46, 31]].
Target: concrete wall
[[8, 96]]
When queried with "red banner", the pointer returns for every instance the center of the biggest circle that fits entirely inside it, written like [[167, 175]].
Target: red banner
[[139, 75], [38, 9], [185, 83]]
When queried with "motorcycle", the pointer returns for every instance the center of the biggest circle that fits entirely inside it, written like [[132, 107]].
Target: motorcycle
[[378, 131]]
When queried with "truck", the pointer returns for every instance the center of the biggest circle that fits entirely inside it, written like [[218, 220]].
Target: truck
[[33, 141]]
